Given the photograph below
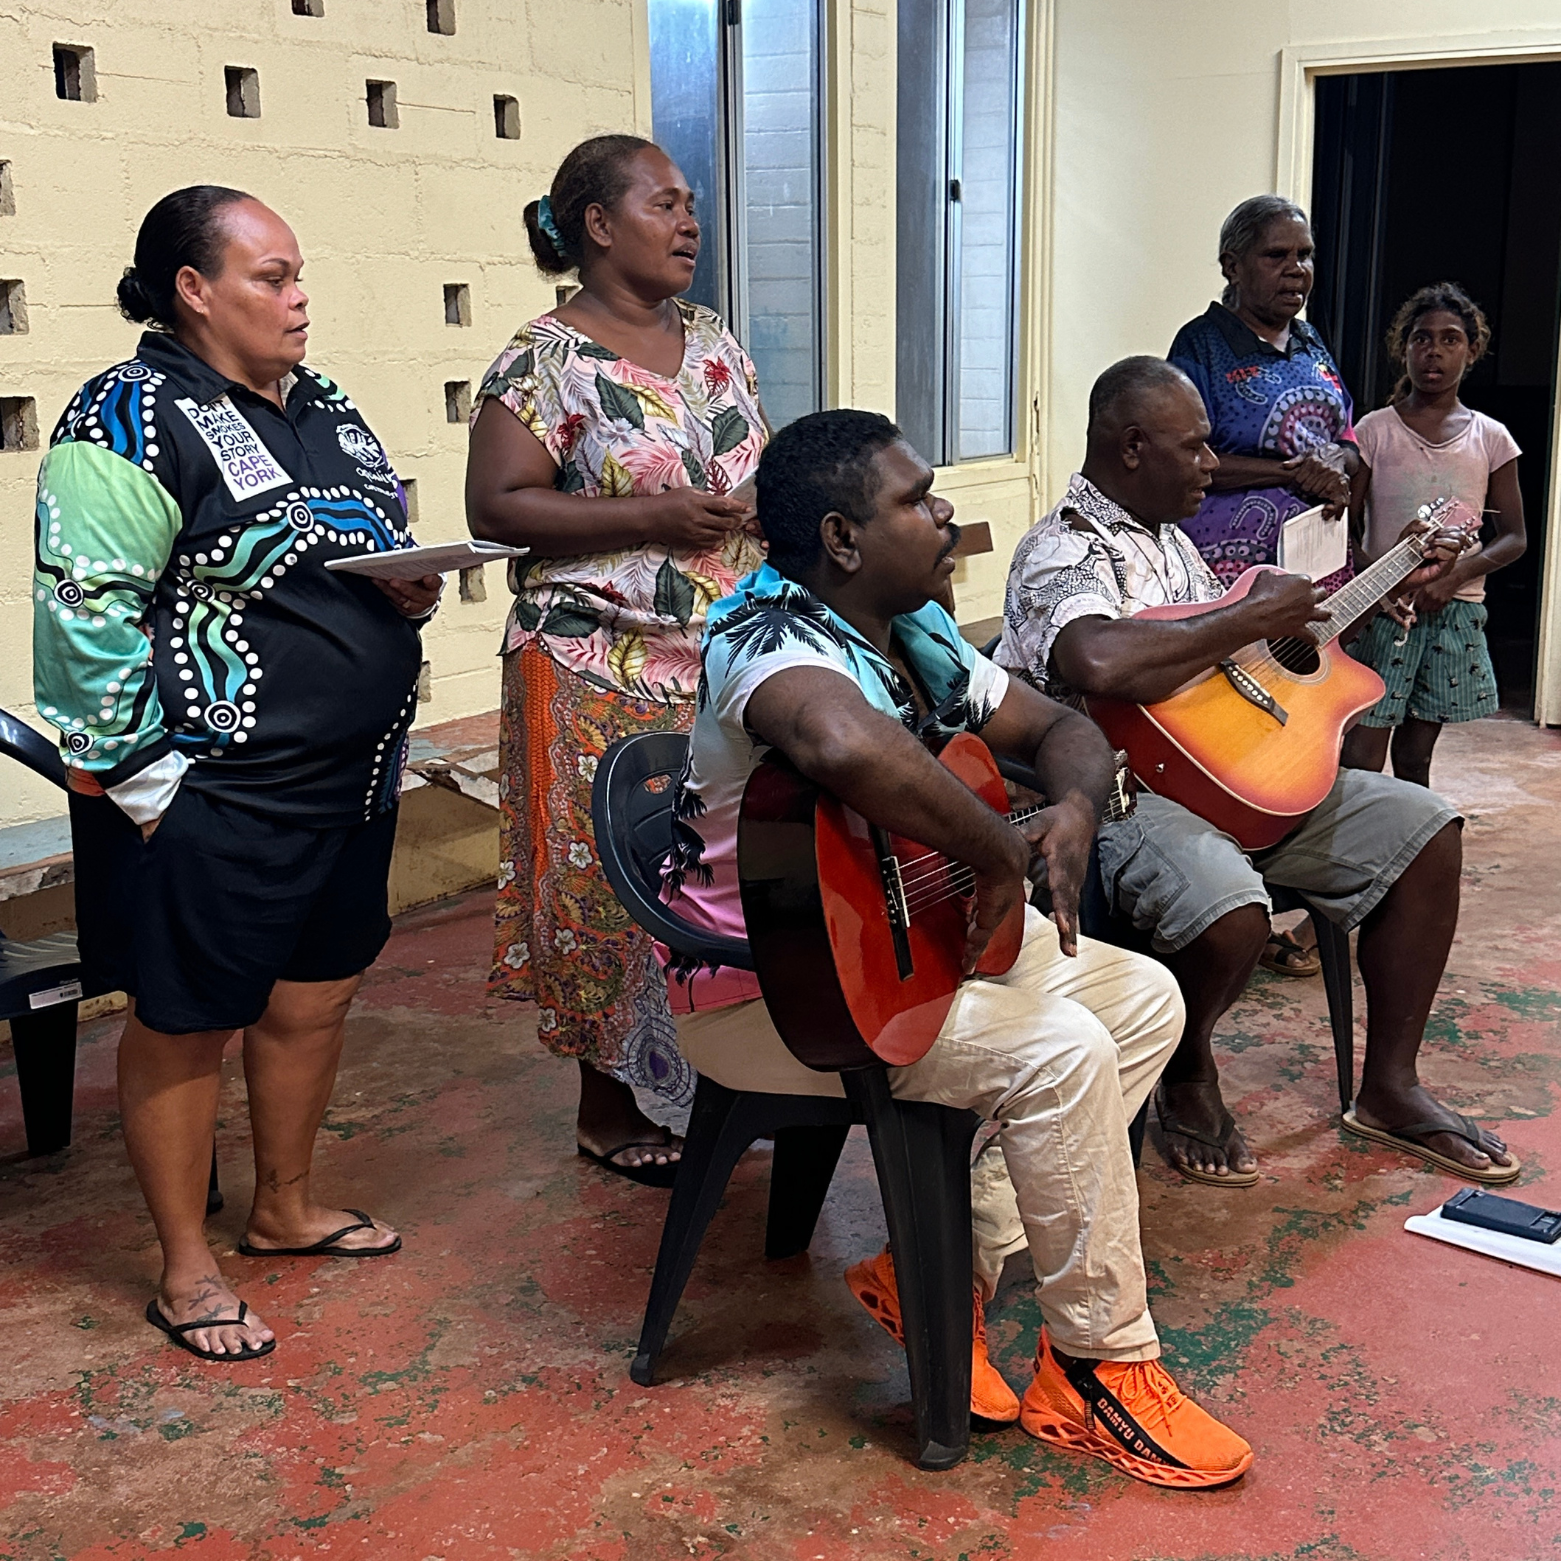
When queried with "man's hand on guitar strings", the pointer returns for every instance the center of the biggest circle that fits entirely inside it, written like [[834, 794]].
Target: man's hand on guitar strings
[[996, 891], [1061, 836]]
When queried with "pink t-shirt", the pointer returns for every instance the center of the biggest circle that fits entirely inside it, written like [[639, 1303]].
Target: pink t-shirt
[[1408, 471]]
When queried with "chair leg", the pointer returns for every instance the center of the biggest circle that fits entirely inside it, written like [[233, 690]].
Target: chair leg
[[45, 1046], [720, 1128], [800, 1174], [922, 1153], [1135, 1133], [1333, 949]]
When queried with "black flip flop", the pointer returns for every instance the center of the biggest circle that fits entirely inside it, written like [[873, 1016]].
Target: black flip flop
[[326, 1245], [647, 1175], [177, 1332], [1220, 1140]]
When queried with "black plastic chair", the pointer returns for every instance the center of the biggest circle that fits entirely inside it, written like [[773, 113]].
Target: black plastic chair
[[41, 988], [921, 1151]]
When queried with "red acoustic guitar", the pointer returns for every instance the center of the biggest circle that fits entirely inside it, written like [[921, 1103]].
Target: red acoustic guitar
[[858, 935], [1253, 744]]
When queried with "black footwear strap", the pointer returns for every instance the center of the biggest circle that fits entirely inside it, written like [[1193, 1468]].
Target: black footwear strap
[[1170, 1124], [1467, 1130], [364, 1223], [212, 1322], [1106, 1410]]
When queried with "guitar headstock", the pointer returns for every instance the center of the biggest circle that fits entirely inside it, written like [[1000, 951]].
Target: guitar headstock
[[1122, 799], [1446, 514]]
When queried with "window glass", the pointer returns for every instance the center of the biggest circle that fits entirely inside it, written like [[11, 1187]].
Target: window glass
[[685, 96], [960, 130], [988, 151], [780, 312], [736, 104]]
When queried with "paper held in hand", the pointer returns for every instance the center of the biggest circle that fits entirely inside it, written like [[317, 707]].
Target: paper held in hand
[[412, 563], [1312, 546]]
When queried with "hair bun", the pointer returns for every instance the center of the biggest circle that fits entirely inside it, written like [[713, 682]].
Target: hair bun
[[135, 300]]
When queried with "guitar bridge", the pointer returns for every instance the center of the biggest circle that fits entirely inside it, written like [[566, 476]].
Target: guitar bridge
[[1252, 691], [895, 902]]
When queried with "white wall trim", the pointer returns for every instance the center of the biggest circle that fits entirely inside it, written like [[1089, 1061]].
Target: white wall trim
[[1299, 67]]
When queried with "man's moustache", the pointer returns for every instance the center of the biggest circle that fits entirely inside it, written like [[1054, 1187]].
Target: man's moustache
[[953, 542]]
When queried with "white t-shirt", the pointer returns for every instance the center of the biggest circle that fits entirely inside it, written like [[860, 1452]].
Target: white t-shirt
[[1408, 471]]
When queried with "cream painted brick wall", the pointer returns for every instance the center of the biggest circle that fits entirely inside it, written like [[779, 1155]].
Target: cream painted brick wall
[[385, 219]]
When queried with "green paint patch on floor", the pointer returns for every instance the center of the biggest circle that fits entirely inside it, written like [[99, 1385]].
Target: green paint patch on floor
[[469, 1398]]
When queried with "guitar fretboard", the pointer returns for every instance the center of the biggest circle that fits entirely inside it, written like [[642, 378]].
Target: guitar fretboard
[[1350, 601]]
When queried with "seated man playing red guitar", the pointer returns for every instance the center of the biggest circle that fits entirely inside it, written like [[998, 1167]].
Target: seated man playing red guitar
[[1377, 854], [835, 653]]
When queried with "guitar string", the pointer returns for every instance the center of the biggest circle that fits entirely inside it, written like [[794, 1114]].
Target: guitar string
[[1348, 596], [936, 861], [920, 888]]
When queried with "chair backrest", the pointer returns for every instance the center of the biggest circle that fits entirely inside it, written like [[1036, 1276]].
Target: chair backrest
[[631, 809], [20, 742]]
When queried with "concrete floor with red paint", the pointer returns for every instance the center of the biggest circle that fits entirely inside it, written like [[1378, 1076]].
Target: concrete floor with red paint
[[469, 1398]]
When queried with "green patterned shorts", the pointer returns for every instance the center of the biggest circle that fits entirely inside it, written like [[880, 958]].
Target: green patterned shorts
[[1440, 670]]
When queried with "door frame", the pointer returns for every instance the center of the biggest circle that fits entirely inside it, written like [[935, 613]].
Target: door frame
[[1299, 67]]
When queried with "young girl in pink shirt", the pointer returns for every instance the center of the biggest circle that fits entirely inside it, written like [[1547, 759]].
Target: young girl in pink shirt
[[1423, 447]]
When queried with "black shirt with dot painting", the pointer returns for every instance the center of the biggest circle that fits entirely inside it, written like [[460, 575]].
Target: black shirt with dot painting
[[182, 600]]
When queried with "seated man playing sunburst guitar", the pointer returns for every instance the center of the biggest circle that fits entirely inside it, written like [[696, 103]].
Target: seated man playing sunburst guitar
[[1377, 853], [836, 655]]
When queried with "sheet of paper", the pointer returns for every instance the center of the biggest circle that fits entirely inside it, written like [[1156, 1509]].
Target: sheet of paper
[[1491, 1243], [412, 563], [1312, 546]]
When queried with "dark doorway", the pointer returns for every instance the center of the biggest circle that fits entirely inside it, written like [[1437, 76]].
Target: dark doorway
[[1452, 175]]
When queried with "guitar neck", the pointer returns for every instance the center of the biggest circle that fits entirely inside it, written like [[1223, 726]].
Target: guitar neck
[[1366, 589]]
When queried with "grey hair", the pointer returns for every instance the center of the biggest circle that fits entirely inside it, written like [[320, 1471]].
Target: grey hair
[[1117, 398], [1242, 231]]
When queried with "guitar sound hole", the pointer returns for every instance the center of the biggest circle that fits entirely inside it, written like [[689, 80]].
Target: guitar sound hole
[[1297, 656]]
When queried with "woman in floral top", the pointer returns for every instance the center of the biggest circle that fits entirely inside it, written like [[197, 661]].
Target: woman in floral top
[[631, 395]]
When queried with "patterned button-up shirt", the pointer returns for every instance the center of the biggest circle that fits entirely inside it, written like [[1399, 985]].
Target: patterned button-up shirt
[[1090, 558]]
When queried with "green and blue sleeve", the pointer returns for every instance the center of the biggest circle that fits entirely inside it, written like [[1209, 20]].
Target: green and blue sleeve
[[105, 532]]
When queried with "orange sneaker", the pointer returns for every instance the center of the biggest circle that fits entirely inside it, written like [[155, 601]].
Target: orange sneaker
[[1134, 1416], [872, 1282]]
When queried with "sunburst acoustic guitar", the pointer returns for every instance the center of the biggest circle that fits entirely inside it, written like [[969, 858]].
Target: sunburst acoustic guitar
[[1253, 744]]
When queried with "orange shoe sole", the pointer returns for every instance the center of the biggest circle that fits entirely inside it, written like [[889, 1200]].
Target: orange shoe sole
[[1077, 1439]]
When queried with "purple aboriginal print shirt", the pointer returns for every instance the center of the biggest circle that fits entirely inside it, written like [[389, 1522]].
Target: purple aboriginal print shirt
[[1262, 403]]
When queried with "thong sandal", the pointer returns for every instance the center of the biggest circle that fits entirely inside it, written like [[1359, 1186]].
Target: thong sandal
[[647, 1174], [1291, 959], [1403, 1139], [177, 1332], [326, 1245], [1221, 1140]]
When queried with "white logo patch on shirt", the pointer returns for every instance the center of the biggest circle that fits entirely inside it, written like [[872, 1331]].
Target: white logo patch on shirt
[[248, 468], [358, 444]]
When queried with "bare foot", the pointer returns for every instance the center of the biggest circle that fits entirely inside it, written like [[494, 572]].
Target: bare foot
[[207, 1297], [268, 1230], [1197, 1104], [1393, 1111], [610, 1119]]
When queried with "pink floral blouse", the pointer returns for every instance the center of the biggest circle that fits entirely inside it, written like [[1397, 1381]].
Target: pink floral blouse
[[631, 621]]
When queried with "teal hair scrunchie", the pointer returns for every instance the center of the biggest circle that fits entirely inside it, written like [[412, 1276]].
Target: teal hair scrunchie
[[549, 227]]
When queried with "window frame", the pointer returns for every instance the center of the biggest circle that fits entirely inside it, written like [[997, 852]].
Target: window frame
[[929, 197], [730, 205]]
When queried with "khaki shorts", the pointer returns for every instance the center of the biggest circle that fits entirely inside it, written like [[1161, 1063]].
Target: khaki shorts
[[1174, 874]]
